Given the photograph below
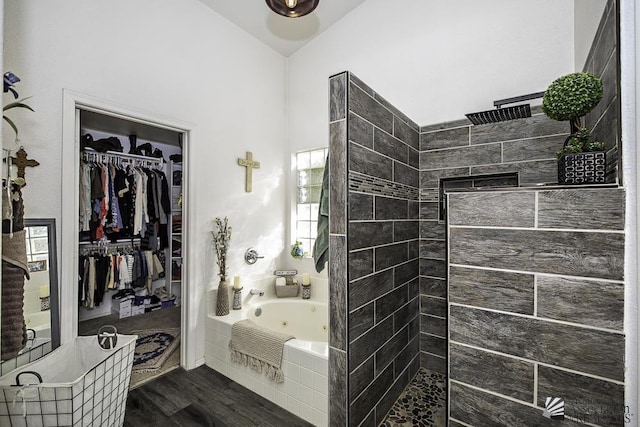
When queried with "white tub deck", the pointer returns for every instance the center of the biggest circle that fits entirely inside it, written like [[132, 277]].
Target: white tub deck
[[305, 362]]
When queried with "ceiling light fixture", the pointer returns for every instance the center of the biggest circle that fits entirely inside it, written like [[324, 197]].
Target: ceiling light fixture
[[292, 8]]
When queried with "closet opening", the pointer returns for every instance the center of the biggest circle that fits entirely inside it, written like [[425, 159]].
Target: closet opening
[[130, 236]]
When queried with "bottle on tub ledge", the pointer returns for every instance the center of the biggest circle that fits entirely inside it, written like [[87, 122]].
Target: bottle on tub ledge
[[306, 286]]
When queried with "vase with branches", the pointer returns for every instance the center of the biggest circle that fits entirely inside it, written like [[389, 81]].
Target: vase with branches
[[221, 238]]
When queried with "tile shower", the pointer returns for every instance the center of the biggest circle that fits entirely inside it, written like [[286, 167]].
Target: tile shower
[[374, 251], [391, 300]]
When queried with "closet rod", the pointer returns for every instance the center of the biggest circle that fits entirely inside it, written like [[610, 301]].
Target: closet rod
[[108, 250], [86, 247], [111, 157], [99, 243]]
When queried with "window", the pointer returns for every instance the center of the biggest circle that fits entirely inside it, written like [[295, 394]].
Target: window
[[309, 171], [37, 243]]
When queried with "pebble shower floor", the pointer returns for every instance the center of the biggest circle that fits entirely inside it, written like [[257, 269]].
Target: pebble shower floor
[[422, 403]]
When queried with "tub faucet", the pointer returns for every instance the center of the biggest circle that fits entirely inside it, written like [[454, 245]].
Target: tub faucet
[[256, 292]]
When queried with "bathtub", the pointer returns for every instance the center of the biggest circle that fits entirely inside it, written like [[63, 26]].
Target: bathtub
[[305, 359], [40, 322], [35, 348]]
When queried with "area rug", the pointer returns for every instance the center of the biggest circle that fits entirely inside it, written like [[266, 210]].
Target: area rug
[[153, 348]]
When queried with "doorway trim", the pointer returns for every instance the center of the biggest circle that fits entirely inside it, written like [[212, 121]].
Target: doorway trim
[[72, 102]]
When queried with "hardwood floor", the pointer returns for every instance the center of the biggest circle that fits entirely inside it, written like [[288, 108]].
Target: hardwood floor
[[202, 397]]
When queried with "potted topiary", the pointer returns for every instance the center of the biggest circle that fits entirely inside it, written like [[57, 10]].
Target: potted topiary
[[581, 161]]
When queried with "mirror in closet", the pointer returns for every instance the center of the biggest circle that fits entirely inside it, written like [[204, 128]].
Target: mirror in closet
[[39, 299]]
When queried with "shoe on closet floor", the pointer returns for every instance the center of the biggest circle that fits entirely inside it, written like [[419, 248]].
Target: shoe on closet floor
[[122, 293]]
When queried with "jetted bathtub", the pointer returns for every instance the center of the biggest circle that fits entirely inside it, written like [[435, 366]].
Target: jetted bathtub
[[39, 322], [305, 360]]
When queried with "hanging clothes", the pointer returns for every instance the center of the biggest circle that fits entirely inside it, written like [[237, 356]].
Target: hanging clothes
[[120, 202], [165, 210], [85, 196], [101, 271]]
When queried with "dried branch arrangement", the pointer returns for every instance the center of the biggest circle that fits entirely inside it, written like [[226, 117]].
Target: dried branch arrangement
[[221, 238]]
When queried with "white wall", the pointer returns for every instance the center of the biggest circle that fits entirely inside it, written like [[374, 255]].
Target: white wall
[[587, 17], [174, 59], [433, 60]]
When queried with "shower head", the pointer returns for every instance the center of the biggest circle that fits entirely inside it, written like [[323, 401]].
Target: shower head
[[500, 114], [508, 113]]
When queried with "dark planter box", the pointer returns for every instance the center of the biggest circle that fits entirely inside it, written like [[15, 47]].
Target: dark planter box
[[582, 168]]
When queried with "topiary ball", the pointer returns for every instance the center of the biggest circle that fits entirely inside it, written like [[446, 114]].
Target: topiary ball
[[572, 96]]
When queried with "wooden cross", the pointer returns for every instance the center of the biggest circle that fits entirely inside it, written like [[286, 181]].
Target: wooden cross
[[21, 162], [250, 165]]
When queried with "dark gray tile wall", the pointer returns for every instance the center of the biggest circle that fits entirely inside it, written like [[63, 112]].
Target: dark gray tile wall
[[574, 253], [506, 144], [536, 310], [374, 252], [493, 372], [338, 257], [497, 290], [589, 400], [599, 304], [338, 400], [383, 242], [517, 207], [589, 209], [478, 408], [603, 61], [590, 351]]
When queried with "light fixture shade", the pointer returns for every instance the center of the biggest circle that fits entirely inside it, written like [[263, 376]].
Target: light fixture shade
[[303, 7]]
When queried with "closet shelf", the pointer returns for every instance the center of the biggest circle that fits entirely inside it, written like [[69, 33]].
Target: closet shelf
[[117, 157]]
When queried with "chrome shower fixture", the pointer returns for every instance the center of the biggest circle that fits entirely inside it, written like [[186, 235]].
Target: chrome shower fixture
[[251, 256], [508, 113]]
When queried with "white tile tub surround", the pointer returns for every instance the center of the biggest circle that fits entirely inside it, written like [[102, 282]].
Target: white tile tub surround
[[305, 364], [28, 356], [319, 292]]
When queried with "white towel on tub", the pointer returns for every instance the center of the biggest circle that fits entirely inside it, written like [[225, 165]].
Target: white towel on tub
[[258, 347]]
